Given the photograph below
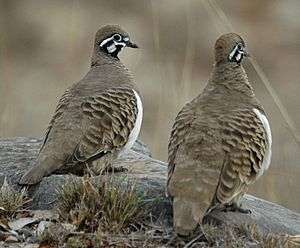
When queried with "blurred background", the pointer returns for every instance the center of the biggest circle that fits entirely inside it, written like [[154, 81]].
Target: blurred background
[[46, 45]]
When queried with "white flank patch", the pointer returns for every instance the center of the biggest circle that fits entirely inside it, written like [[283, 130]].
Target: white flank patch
[[137, 126], [267, 157]]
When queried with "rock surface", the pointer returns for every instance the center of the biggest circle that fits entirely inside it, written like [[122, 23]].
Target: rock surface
[[17, 156]]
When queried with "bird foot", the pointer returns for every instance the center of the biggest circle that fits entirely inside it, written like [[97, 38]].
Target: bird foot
[[114, 169], [234, 207]]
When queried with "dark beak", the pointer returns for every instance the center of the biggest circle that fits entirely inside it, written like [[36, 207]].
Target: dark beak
[[246, 54], [131, 44]]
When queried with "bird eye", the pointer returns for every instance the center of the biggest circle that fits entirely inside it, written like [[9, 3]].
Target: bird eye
[[117, 37], [240, 46]]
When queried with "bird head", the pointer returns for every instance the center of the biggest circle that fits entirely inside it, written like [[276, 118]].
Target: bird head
[[111, 39], [231, 48]]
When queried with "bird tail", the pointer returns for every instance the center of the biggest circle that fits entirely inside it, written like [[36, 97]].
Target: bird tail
[[186, 216], [42, 167]]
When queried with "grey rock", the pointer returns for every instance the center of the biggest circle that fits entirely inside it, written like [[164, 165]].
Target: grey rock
[[17, 156]]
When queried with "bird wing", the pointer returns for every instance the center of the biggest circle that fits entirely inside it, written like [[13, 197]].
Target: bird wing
[[62, 104], [178, 135], [83, 128], [194, 167], [112, 116], [245, 140]]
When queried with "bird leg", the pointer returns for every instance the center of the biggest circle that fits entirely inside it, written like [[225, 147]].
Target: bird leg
[[103, 165], [114, 169], [235, 207], [104, 169], [88, 169]]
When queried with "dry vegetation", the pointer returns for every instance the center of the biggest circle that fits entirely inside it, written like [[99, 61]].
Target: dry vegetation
[[106, 203], [208, 235], [11, 201], [108, 211], [241, 236]]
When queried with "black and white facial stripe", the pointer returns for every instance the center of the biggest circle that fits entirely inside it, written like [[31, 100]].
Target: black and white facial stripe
[[237, 53], [114, 44]]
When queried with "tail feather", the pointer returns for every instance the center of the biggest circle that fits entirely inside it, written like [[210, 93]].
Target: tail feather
[[43, 167], [187, 215]]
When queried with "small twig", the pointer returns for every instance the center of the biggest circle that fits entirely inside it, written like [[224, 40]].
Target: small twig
[[171, 240], [193, 240]]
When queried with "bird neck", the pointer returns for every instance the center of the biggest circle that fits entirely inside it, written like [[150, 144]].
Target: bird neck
[[100, 58], [108, 71], [233, 77]]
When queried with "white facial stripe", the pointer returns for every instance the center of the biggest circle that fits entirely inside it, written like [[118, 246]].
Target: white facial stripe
[[123, 44], [126, 38], [105, 41], [232, 53]]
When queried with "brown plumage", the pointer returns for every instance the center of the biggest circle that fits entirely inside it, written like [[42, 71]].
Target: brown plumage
[[99, 115], [220, 142]]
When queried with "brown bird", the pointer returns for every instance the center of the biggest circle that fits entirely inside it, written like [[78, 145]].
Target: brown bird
[[220, 142], [98, 116]]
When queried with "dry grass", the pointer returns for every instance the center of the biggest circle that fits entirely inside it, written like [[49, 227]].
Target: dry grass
[[48, 237], [242, 236], [102, 204], [57, 235], [151, 235], [11, 201], [99, 207]]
